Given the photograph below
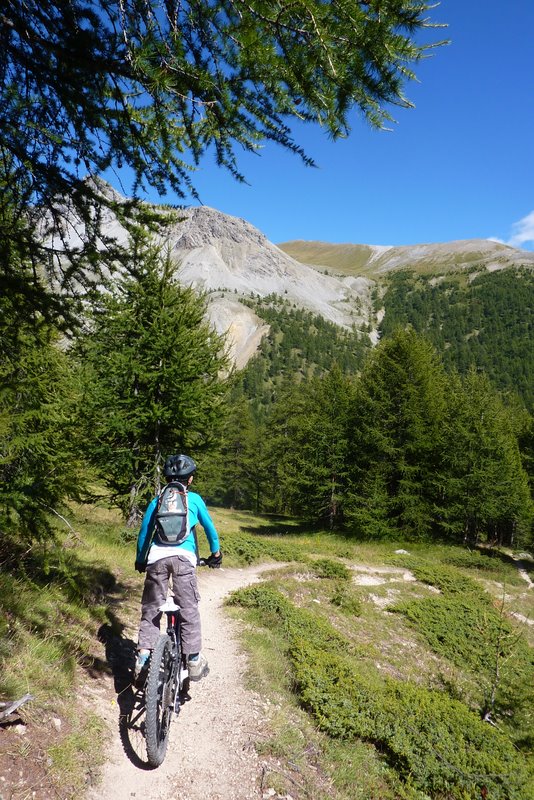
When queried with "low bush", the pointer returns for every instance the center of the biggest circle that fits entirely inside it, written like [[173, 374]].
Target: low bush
[[465, 629], [435, 744], [346, 600], [276, 611], [464, 626], [445, 578], [488, 562], [327, 568]]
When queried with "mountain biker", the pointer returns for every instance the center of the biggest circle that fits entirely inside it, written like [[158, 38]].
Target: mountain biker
[[161, 560]]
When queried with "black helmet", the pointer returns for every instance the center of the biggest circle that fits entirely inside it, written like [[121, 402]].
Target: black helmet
[[179, 467]]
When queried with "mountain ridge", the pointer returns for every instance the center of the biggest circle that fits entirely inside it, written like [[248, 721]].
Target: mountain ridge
[[374, 261], [231, 261], [215, 251], [228, 258]]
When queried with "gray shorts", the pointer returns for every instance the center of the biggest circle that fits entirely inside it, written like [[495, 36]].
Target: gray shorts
[[185, 590]]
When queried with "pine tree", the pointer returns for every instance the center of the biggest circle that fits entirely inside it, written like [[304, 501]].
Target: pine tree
[[395, 438], [40, 455], [90, 87], [368, 503], [308, 447], [151, 368], [486, 486], [236, 473]]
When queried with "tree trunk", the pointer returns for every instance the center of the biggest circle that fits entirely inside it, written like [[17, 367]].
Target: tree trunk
[[134, 514]]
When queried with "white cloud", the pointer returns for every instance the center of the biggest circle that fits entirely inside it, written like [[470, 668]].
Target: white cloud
[[522, 232]]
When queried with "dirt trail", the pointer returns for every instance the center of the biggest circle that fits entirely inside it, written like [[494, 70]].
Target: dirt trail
[[210, 753]]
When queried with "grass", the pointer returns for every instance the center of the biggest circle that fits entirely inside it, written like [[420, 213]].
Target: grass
[[348, 656], [419, 679], [347, 259], [431, 742], [354, 259], [54, 599], [301, 760], [75, 761]]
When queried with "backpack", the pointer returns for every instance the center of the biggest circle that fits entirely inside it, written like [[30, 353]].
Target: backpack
[[171, 515]]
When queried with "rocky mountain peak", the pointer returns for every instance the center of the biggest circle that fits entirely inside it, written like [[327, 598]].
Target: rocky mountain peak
[[230, 259]]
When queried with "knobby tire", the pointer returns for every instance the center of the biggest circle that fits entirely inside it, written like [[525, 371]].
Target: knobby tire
[[159, 699]]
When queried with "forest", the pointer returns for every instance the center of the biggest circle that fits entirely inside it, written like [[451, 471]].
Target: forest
[[400, 439], [323, 453], [474, 319]]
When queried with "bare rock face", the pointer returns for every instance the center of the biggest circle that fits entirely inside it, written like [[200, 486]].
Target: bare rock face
[[228, 258], [243, 328], [231, 260], [484, 253], [215, 252]]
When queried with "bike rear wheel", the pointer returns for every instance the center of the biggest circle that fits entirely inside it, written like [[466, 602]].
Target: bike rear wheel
[[159, 699]]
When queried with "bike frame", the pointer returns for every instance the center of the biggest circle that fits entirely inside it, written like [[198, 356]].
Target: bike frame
[[180, 673], [167, 683]]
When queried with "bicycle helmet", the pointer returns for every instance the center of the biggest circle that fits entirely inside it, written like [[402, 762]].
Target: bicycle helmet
[[179, 467]]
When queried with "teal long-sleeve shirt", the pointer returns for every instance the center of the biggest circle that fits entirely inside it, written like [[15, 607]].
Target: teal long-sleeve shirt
[[196, 512]]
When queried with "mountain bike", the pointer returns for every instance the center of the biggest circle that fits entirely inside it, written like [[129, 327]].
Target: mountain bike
[[166, 684]]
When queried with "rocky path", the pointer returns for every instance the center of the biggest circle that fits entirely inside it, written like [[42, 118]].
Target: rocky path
[[211, 753]]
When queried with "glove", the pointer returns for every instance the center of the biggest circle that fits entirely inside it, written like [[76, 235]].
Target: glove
[[214, 562], [140, 566]]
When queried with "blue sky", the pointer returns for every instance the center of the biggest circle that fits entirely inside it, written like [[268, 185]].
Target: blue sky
[[458, 166]]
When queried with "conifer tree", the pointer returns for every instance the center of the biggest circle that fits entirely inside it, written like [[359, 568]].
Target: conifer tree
[[41, 464], [279, 424], [486, 487], [395, 438], [309, 447], [89, 87], [236, 473], [151, 369]]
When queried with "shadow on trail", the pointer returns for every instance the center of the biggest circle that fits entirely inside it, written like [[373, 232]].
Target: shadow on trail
[[120, 658]]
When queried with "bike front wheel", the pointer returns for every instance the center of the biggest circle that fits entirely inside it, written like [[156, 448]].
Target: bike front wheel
[[159, 699]]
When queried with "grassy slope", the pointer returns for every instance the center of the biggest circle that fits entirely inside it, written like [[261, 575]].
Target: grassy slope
[[54, 601], [382, 651], [54, 618], [344, 259], [438, 259]]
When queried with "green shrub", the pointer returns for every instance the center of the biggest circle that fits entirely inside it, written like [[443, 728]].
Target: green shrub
[[436, 745], [247, 549], [346, 600], [327, 568], [277, 612], [263, 597], [462, 628], [482, 560], [467, 629], [445, 578]]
